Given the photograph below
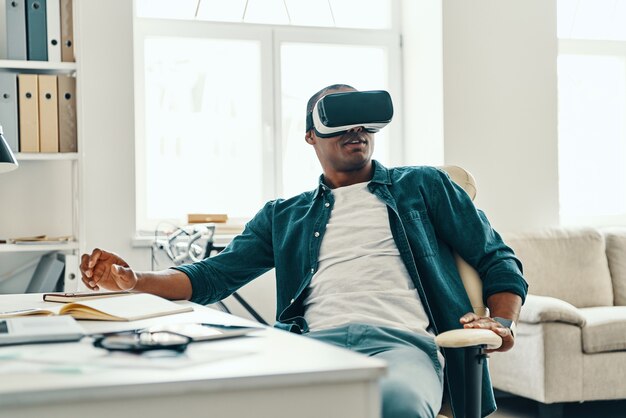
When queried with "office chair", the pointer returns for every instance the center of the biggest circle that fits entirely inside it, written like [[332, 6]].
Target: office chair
[[473, 341]]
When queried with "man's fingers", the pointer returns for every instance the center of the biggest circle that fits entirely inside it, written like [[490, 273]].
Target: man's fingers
[[471, 320], [469, 317], [84, 261], [93, 259]]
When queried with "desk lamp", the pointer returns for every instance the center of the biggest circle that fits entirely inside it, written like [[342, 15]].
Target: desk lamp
[[7, 159]]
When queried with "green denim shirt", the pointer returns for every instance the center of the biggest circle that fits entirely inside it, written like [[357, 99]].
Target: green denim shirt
[[430, 218]]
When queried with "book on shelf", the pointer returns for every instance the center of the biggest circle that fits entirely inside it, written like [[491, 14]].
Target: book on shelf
[[66, 86], [28, 105], [40, 30], [48, 113], [201, 218], [71, 271], [53, 26], [67, 31], [8, 109], [15, 13], [36, 30], [41, 239], [126, 307]]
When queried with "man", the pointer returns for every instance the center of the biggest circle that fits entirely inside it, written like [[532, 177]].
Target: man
[[364, 261]]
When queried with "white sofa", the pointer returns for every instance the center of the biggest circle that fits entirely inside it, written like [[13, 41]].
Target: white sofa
[[571, 337]]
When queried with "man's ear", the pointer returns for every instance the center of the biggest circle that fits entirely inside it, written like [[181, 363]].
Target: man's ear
[[309, 137]]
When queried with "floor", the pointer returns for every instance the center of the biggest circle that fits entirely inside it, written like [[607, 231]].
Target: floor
[[514, 407]]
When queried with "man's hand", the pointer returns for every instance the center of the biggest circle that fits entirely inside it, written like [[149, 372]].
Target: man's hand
[[106, 270], [471, 320]]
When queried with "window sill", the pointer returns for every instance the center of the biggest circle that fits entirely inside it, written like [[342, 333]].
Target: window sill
[[222, 238]]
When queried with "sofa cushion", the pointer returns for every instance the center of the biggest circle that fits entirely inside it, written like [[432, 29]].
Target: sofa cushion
[[605, 329], [616, 255], [567, 264]]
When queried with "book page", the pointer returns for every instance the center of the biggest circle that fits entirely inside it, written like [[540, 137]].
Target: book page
[[28, 312]]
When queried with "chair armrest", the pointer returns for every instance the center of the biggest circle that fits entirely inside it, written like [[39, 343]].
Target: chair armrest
[[538, 309], [468, 337]]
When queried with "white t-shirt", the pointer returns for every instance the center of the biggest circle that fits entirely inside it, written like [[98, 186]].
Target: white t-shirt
[[361, 277]]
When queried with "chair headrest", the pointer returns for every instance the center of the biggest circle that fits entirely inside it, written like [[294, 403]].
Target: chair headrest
[[463, 178]]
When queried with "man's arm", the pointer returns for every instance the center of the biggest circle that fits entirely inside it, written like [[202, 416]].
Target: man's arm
[[109, 271], [503, 305]]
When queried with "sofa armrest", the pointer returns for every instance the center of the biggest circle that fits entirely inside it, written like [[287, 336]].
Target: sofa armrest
[[538, 309]]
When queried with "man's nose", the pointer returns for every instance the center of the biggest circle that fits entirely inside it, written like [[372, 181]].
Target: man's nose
[[356, 129]]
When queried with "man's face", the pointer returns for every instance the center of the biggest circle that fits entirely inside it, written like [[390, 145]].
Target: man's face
[[348, 152]]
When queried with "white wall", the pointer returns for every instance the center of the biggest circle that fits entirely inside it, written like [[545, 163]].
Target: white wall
[[483, 73], [500, 105], [107, 128], [423, 81], [104, 48]]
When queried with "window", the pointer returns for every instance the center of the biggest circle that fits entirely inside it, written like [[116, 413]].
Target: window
[[201, 127], [364, 14], [298, 83], [221, 99], [592, 111]]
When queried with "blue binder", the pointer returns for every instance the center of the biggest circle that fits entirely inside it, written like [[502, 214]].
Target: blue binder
[[16, 29], [8, 109], [36, 30]]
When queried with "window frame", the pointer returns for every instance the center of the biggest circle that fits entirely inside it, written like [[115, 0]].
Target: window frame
[[270, 37], [591, 47]]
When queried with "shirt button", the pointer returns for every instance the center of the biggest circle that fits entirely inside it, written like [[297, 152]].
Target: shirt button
[[327, 204], [312, 270], [292, 300], [317, 234]]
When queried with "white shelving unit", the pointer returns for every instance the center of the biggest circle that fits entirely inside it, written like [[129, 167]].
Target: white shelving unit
[[29, 248], [41, 67], [44, 67], [44, 192], [61, 156]]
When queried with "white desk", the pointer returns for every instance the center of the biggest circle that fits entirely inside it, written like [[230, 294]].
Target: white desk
[[268, 374]]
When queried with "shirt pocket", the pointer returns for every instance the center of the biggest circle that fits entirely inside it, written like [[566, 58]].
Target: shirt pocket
[[420, 233]]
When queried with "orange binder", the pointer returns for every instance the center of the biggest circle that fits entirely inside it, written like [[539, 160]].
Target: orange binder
[[29, 112], [67, 32], [48, 114], [67, 113]]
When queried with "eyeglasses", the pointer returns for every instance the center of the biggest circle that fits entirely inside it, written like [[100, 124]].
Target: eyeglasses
[[140, 341]]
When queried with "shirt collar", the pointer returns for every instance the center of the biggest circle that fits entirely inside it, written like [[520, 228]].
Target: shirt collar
[[381, 176]]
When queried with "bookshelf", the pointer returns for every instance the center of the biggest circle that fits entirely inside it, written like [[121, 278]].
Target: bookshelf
[[43, 194], [40, 156], [39, 67], [28, 248]]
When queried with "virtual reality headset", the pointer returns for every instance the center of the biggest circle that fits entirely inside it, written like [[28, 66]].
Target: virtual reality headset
[[337, 113]]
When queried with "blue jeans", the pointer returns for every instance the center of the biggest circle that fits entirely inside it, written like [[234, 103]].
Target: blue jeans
[[413, 386]]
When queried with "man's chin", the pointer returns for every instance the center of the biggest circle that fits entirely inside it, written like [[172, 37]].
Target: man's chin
[[357, 161]]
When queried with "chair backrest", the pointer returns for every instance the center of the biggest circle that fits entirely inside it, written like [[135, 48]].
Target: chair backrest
[[471, 280]]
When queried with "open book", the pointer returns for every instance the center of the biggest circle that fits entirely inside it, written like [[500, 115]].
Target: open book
[[127, 307]]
